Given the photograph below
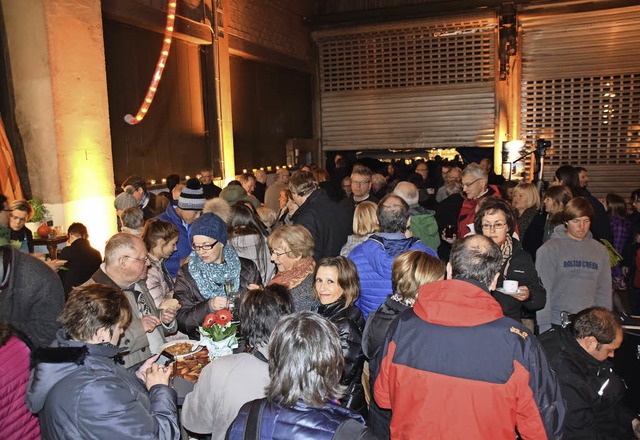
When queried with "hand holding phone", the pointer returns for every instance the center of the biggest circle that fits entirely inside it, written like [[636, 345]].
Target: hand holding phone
[[165, 359]]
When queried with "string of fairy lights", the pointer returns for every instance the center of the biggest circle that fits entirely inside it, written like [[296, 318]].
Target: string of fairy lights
[[157, 75]]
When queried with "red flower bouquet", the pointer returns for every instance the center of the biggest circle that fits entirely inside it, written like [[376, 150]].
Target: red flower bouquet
[[217, 326], [218, 334]]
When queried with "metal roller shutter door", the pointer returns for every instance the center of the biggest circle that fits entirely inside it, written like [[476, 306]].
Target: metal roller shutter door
[[581, 90], [408, 85]]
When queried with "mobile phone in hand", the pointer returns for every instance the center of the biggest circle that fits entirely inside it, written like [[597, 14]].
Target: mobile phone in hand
[[165, 358]]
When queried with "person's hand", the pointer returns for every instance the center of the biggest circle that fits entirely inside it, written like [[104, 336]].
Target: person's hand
[[523, 294], [157, 375], [141, 373], [449, 240], [218, 303], [184, 261], [168, 316], [635, 424], [253, 286], [149, 323], [56, 264]]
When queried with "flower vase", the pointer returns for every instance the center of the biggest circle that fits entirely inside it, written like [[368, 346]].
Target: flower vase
[[219, 348]]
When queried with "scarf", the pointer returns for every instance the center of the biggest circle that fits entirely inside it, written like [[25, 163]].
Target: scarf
[[212, 277], [506, 249], [296, 275]]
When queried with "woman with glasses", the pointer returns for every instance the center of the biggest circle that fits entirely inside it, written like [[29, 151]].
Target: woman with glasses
[[213, 271], [496, 219], [292, 252], [21, 212]]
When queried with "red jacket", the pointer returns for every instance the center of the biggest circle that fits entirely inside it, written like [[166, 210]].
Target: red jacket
[[468, 211], [454, 367], [16, 421]]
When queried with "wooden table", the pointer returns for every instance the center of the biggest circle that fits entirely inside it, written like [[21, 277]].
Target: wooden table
[[51, 244]]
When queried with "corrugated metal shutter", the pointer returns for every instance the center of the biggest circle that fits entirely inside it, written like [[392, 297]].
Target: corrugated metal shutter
[[581, 90], [409, 85]]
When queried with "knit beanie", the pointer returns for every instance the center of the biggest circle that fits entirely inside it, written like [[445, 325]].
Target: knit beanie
[[124, 200], [210, 225], [236, 193], [192, 196]]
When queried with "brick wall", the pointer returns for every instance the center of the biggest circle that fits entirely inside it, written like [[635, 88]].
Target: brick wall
[[273, 24]]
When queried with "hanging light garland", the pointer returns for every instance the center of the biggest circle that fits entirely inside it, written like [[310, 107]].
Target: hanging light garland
[[164, 53]]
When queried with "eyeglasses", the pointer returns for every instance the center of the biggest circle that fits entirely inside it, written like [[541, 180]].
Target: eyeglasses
[[145, 259], [360, 183], [204, 247], [278, 254], [496, 226], [470, 183]]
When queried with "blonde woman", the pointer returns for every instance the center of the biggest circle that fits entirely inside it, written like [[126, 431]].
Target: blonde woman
[[526, 201], [365, 223]]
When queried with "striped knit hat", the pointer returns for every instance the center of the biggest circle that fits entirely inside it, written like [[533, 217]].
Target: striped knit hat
[[192, 196]]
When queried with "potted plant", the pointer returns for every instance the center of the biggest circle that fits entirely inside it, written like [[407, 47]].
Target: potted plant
[[39, 215]]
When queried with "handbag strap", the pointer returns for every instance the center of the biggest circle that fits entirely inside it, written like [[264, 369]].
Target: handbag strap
[[254, 420]]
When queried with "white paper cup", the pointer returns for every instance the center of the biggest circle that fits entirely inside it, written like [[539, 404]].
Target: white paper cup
[[510, 286]]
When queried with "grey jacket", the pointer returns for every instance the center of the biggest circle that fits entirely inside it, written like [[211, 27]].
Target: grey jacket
[[224, 386], [31, 296], [80, 392]]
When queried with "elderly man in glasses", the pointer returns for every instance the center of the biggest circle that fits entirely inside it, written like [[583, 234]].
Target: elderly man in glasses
[[125, 266], [475, 186]]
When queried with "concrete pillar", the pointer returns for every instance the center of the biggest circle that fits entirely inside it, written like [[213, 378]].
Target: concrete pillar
[[225, 120], [56, 51]]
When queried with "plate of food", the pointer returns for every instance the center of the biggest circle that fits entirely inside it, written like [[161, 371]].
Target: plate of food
[[189, 367], [190, 358], [182, 348]]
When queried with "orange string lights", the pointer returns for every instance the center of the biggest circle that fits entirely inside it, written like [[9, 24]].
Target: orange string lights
[[162, 59]]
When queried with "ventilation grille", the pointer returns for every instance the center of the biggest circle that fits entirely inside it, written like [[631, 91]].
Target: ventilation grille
[[420, 55]]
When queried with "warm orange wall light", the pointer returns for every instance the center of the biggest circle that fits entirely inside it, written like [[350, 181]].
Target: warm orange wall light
[[157, 75]]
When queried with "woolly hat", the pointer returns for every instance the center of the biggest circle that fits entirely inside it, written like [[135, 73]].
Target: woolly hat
[[210, 225], [125, 200], [236, 193], [192, 196]]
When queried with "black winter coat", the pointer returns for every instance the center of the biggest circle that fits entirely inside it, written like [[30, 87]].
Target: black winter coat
[[350, 324], [193, 305], [520, 268], [372, 341], [592, 391], [82, 261], [327, 222], [377, 325]]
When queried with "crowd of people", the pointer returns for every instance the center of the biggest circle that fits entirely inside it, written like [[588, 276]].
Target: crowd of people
[[373, 304]]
